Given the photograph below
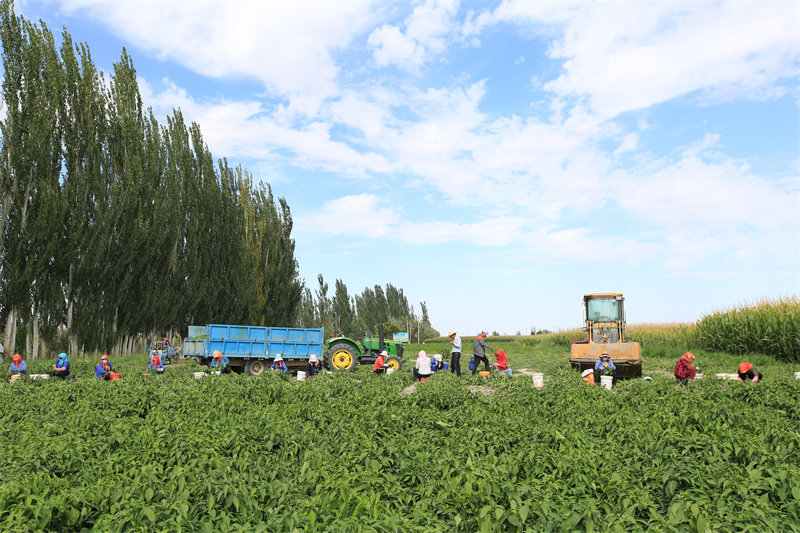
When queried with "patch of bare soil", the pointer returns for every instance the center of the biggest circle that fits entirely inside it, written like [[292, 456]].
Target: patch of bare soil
[[486, 391], [409, 390]]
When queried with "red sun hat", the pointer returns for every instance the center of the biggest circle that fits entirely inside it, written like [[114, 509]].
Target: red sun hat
[[17, 358], [156, 359], [744, 367], [104, 357]]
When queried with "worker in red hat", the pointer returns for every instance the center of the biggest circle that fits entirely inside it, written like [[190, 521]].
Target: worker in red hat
[[103, 369], [748, 372], [156, 365], [18, 366], [501, 362], [219, 363], [684, 371]]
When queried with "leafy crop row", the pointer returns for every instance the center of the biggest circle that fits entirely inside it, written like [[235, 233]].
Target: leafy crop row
[[349, 452]]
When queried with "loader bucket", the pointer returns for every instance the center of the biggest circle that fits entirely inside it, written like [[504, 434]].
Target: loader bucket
[[626, 356]]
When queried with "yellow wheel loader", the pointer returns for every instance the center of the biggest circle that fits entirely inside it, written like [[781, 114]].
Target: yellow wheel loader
[[604, 324]]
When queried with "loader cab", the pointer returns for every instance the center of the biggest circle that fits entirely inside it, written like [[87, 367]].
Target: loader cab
[[604, 317]]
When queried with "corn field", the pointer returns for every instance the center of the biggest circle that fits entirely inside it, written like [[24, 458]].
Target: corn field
[[771, 327]]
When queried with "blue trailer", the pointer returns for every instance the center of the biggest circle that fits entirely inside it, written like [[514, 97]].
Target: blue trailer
[[252, 349]]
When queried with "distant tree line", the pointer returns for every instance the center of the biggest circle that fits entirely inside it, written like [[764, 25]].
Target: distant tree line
[[363, 313], [115, 227]]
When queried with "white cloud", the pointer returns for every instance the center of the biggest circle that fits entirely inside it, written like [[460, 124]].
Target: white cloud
[[367, 216], [427, 30], [286, 45], [647, 53], [247, 129]]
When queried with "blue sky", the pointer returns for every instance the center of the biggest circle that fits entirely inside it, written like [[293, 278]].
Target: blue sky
[[497, 159]]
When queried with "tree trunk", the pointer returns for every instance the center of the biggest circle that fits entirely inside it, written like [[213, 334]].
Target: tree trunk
[[35, 353], [73, 342], [9, 334]]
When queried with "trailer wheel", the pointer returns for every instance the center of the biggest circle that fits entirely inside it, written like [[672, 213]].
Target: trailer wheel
[[254, 367], [341, 357], [394, 362]]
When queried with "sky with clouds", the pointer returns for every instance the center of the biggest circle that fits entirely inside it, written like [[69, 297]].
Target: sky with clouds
[[497, 159]]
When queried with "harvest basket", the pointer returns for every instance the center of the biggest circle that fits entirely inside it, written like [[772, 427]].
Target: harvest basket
[[114, 376]]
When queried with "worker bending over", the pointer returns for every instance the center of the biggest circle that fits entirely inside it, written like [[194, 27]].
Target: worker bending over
[[220, 363], [747, 372], [278, 364], [18, 367], [501, 362], [684, 371], [156, 365]]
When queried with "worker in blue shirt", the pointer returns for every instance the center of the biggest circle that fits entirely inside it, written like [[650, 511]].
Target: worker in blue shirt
[[605, 367], [18, 366], [61, 366], [220, 363], [156, 365], [103, 369], [279, 364]]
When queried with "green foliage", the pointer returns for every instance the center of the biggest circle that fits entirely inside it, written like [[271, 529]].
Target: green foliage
[[113, 225], [350, 452]]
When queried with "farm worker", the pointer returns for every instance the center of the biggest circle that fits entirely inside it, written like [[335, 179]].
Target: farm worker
[[278, 364], [501, 362], [437, 364], [605, 367], [380, 363], [103, 369], [588, 377], [422, 368], [156, 365], [18, 366], [220, 362], [313, 366], [61, 366], [455, 353], [748, 372], [479, 351], [684, 371]]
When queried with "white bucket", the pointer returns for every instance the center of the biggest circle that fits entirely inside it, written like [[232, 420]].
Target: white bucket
[[797, 375], [607, 381], [698, 376], [538, 380], [198, 375], [301, 375], [390, 370]]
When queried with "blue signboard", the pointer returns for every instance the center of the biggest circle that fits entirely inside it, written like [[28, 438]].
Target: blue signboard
[[400, 337]]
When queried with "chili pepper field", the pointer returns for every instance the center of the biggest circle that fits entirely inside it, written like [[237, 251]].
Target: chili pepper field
[[359, 452]]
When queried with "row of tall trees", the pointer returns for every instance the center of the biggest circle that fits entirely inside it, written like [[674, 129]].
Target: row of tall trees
[[363, 313], [115, 227]]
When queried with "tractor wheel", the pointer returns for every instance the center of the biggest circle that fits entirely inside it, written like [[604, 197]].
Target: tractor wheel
[[394, 362], [341, 357], [254, 367]]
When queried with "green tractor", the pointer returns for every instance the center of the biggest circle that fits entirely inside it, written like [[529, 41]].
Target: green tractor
[[344, 353]]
